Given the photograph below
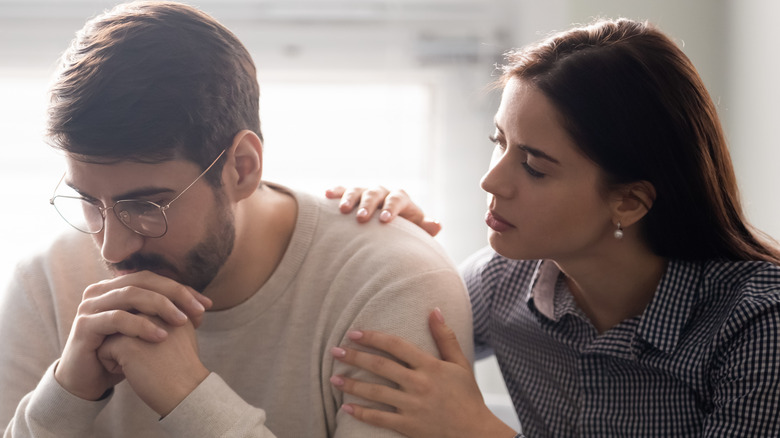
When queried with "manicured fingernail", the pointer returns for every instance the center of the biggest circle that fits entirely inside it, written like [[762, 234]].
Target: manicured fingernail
[[336, 380], [354, 335], [338, 352], [198, 306], [345, 203], [385, 216], [348, 409], [362, 212], [437, 313]]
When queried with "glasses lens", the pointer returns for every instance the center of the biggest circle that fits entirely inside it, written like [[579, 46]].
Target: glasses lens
[[79, 213], [143, 217]]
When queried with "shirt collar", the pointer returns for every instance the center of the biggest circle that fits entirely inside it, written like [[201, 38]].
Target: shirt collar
[[664, 319], [542, 288], [662, 322]]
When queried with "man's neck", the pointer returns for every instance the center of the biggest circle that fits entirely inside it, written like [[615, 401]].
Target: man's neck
[[264, 227]]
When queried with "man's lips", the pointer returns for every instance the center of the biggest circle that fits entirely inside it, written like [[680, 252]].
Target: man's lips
[[496, 222]]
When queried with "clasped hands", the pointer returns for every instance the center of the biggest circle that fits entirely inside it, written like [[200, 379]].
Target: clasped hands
[[139, 327]]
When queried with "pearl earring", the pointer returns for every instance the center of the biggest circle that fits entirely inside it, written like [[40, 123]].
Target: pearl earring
[[619, 232]]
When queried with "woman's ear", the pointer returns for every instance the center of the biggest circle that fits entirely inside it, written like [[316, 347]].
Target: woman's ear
[[632, 201], [243, 170]]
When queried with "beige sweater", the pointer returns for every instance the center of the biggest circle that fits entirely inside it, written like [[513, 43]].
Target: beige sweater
[[269, 356]]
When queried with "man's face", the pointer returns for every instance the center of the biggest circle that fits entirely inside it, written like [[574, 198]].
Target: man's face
[[200, 232]]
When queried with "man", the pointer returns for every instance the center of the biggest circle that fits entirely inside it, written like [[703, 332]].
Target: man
[[197, 300]]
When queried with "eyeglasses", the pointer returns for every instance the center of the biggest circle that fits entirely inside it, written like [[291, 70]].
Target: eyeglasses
[[143, 217]]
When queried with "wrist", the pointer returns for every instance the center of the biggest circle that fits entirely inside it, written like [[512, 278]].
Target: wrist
[[85, 392]]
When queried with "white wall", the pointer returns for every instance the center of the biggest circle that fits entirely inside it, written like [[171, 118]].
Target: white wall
[[752, 71]]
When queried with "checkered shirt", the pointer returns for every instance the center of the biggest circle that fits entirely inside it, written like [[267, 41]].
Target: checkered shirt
[[702, 360]]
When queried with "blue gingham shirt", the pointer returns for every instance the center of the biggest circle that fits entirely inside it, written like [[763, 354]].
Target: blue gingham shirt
[[702, 359]]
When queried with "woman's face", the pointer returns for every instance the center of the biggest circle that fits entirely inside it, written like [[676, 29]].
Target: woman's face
[[545, 199]]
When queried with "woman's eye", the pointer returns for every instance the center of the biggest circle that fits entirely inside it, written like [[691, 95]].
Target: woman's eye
[[531, 171], [496, 142]]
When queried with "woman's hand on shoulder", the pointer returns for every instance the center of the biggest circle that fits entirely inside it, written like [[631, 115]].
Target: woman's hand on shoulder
[[389, 203], [434, 398]]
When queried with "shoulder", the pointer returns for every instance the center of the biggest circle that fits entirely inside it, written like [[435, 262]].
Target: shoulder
[[398, 243], [743, 298], [742, 282], [488, 269]]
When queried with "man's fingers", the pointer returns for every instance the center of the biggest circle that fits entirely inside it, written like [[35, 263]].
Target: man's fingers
[[135, 300], [186, 299], [113, 322]]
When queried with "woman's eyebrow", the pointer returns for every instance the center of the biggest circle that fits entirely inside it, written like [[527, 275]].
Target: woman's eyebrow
[[528, 149], [537, 153]]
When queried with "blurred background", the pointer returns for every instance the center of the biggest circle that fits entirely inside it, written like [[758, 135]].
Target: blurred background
[[392, 92]]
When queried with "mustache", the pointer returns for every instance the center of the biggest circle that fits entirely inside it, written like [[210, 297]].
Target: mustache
[[142, 262]]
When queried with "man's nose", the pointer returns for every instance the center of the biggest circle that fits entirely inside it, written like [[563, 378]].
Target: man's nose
[[118, 241]]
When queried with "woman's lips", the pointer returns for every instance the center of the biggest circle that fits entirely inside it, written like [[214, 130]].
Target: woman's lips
[[496, 222]]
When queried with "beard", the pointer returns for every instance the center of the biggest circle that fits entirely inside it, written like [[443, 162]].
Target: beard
[[202, 263]]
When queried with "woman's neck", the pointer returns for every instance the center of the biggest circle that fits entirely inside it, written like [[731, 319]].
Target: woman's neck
[[612, 288]]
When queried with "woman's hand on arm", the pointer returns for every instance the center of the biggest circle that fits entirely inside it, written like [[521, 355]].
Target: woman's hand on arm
[[391, 203], [434, 397]]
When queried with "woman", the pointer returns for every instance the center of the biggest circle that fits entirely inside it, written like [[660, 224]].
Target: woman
[[624, 293]]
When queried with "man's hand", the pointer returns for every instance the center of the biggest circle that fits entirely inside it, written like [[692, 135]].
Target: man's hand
[[163, 373], [122, 306]]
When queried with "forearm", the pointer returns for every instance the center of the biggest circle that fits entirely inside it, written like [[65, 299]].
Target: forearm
[[51, 411], [214, 409]]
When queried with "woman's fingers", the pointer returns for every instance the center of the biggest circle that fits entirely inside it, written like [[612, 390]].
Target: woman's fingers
[[446, 340], [370, 201], [379, 365], [375, 417], [376, 392], [430, 226], [389, 203], [335, 192], [395, 346]]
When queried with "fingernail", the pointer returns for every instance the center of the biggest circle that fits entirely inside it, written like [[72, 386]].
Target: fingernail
[[437, 313], [160, 333], [337, 380], [338, 352], [198, 306], [362, 212], [348, 409], [345, 204], [354, 335], [385, 216], [180, 316]]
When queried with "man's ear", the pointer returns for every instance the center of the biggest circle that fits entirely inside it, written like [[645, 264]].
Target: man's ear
[[632, 201], [243, 168]]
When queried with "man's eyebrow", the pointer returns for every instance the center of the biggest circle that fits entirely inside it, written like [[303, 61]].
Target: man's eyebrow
[[141, 192], [529, 149]]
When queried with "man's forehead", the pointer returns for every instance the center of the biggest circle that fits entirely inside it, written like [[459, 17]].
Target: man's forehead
[[101, 178]]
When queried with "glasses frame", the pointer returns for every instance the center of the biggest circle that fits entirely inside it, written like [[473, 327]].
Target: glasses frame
[[103, 210]]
